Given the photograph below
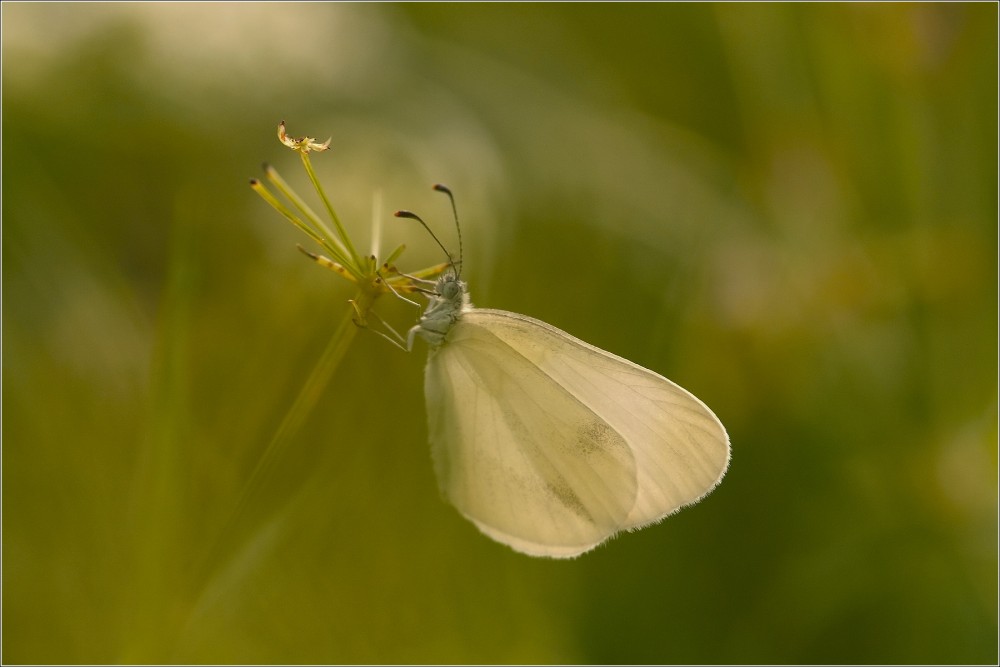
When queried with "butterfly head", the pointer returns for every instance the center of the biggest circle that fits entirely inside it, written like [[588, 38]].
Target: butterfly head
[[451, 289], [449, 299]]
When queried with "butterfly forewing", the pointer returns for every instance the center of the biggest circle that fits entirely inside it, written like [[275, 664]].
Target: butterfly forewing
[[680, 448], [518, 453]]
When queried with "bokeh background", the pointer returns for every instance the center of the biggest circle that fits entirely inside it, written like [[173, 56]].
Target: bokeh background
[[790, 210]]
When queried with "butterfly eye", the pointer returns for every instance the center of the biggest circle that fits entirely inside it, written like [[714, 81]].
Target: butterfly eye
[[450, 289]]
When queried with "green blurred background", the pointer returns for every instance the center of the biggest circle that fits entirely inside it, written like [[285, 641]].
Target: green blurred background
[[790, 210]]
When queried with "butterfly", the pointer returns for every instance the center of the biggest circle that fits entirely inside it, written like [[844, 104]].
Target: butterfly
[[548, 444]]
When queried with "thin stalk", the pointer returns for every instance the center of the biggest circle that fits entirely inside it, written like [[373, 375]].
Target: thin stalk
[[329, 207], [290, 425], [300, 224], [272, 175]]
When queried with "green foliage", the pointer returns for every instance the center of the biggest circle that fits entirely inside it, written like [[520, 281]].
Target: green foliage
[[788, 209]]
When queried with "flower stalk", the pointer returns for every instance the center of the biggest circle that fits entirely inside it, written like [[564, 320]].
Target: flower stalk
[[372, 277]]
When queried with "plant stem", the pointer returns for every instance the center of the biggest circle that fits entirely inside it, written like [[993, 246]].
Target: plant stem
[[228, 546], [329, 207]]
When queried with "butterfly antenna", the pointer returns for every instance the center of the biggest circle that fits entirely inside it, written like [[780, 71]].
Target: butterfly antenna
[[413, 216], [458, 228]]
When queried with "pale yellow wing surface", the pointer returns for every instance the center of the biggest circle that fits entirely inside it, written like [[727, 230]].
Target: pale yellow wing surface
[[551, 445], [519, 455], [680, 447]]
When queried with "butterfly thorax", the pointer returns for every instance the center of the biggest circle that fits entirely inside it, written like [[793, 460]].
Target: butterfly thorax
[[449, 301]]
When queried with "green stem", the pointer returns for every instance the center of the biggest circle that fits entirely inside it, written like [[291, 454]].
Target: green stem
[[304, 403], [300, 224], [229, 546], [272, 175], [329, 207]]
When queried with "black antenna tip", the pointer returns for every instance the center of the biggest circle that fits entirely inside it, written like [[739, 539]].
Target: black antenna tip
[[253, 182], [442, 188]]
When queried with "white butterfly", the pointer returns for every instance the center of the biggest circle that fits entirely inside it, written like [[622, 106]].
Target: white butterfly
[[550, 445]]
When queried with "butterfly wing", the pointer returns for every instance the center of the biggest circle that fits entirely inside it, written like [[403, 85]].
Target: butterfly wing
[[680, 447], [517, 453], [552, 445]]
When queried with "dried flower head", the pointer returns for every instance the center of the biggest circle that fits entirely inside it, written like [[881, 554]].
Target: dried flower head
[[301, 144]]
